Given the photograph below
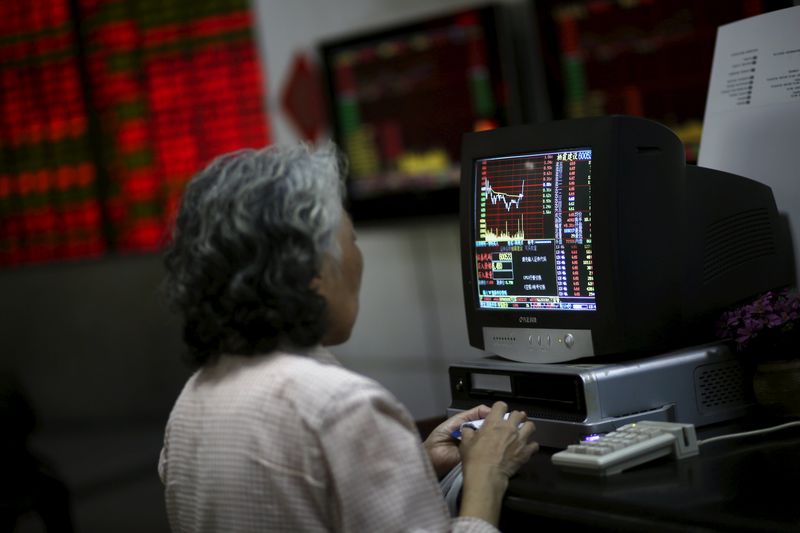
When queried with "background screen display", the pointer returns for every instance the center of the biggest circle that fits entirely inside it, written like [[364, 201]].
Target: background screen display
[[533, 231], [388, 93]]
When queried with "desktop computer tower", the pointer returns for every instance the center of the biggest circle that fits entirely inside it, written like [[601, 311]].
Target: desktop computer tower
[[700, 385]]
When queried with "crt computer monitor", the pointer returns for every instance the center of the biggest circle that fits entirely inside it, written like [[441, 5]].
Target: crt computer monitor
[[591, 237]]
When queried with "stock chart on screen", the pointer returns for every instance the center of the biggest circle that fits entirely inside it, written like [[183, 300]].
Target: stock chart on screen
[[534, 231]]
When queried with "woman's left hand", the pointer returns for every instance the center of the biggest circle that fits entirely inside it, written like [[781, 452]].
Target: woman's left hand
[[442, 448]]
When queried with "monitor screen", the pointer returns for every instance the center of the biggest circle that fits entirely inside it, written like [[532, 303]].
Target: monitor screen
[[533, 231], [400, 100]]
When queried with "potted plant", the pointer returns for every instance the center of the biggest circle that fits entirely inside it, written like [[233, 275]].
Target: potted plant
[[767, 334]]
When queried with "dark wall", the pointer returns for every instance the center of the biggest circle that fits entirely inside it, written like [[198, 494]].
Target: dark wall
[[91, 340], [96, 354]]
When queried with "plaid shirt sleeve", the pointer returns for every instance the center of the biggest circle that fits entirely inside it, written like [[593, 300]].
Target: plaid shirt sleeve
[[381, 478]]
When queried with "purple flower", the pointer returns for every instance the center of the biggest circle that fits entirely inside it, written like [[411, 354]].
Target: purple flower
[[775, 320], [768, 316]]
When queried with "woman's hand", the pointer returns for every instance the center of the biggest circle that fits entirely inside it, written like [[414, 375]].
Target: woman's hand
[[500, 446], [490, 456], [440, 445]]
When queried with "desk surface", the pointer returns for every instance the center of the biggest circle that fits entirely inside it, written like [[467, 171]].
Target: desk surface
[[743, 484]]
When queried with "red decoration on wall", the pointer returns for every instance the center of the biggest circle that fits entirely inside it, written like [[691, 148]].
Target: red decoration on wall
[[301, 99]]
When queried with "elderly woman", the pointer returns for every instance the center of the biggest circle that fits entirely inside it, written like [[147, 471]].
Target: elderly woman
[[271, 433]]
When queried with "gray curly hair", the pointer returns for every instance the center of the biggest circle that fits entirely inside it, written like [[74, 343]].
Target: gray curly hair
[[249, 237]]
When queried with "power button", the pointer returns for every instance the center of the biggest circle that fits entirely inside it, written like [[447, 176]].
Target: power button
[[569, 340]]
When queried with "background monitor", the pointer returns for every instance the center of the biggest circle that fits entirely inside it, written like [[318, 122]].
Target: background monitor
[[402, 97], [649, 58], [593, 237]]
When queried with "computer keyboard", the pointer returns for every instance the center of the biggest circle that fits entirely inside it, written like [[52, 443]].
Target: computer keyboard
[[628, 446]]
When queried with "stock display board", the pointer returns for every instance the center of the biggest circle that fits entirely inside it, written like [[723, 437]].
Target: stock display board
[[109, 107], [48, 202], [648, 58]]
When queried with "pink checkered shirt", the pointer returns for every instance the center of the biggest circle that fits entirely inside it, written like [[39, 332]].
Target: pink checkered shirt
[[289, 442]]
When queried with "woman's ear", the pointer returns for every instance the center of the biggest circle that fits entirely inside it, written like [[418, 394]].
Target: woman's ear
[[324, 283]]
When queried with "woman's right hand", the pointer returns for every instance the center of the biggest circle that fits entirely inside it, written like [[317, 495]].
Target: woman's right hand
[[499, 447], [489, 457]]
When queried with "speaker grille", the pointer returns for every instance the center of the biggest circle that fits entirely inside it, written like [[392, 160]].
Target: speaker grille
[[720, 386], [506, 340], [735, 240]]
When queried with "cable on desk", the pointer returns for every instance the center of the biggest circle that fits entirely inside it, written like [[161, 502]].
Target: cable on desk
[[748, 433]]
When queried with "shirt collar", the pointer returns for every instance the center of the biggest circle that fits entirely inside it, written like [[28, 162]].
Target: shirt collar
[[318, 353]]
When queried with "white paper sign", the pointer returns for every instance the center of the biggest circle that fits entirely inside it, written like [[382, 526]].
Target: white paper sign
[[752, 119]]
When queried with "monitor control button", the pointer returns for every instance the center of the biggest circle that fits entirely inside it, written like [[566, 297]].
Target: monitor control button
[[569, 340]]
